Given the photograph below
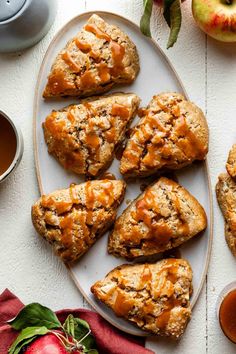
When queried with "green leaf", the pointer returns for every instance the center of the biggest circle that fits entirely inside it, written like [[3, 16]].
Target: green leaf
[[35, 315], [26, 336], [78, 329], [145, 19], [166, 10], [173, 17]]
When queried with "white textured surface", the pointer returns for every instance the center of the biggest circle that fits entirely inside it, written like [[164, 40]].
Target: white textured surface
[[28, 267]]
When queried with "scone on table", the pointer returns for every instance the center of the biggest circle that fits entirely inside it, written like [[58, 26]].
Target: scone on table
[[155, 297], [99, 57], [72, 219], [83, 137], [171, 134], [231, 162], [164, 216], [226, 196]]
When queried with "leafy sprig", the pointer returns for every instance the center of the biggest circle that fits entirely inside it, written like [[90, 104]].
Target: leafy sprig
[[172, 15], [35, 320]]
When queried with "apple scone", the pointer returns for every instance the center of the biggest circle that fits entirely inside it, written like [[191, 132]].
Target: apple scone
[[73, 219], [97, 58], [155, 297], [83, 137], [171, 134], [231, 162], [226, 196], [163, 217]]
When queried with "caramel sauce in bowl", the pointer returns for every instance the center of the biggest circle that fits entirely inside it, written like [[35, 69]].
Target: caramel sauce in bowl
[[226, 311], [11, 146]]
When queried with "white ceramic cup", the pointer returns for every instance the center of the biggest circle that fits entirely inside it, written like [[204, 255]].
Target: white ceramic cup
[[19, 148]]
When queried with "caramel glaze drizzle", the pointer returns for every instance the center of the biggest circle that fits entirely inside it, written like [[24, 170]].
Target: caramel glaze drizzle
[[124, 304], [159, 234], [58, 82], [74, 219], [58, 129], [159, 150], [88, 79]]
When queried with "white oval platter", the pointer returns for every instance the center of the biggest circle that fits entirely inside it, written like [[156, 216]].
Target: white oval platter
[[156, 75]]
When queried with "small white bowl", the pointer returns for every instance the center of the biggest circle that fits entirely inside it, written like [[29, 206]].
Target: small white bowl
[[19, 149]]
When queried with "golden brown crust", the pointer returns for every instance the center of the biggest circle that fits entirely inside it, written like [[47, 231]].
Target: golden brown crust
[[231, 162], [83, 137], [226, 196], [163, 217], [171, 134], [155, 297], [97, 58], [73, 219]]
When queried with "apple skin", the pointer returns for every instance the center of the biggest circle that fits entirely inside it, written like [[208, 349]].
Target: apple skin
[[217, 18]]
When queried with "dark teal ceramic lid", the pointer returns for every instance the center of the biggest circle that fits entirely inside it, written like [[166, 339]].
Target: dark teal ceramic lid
[[9, 8]]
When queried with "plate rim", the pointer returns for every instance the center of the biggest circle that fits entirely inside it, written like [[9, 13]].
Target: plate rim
[[60, 32]]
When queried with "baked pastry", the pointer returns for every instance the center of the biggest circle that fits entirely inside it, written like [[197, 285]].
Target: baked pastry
[[83, 137], [231, 162], [97, 58], [163, 217], [73, 219], [226, 196], [171, 134], [153, 296]]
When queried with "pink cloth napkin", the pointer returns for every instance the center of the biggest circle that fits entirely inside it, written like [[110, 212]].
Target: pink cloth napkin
[[109, 339]]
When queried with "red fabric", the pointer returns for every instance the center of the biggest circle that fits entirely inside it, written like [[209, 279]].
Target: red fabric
[[109, 339]]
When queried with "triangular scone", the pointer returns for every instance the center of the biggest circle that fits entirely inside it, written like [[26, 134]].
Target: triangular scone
[[163, 217], [226, 196], [171, 134], [153, 296], [83, 137], [73, 219], [97, 58]]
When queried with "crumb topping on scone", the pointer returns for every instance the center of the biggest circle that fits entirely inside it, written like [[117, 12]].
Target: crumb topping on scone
[[83, 137], [153, 296], [172, 133], [73, 219], [163, 217], [98, 57]]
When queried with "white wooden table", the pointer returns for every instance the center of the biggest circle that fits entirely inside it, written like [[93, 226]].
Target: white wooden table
[[27, 266]]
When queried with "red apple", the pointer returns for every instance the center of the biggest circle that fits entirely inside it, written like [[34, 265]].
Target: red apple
[[217, 18], [48, 344]]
